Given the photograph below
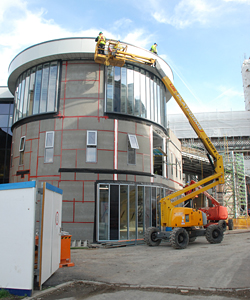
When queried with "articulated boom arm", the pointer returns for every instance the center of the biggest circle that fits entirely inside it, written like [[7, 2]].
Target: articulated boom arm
[[211, 181], [118, 58]]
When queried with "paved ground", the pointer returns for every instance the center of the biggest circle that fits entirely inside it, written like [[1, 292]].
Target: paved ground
[[201, 271]]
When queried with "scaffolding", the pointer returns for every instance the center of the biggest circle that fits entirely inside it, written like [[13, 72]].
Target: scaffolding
[[234, 189], [233, 193]]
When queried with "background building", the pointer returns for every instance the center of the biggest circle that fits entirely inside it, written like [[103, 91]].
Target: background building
[[98, 133], [6, 112]]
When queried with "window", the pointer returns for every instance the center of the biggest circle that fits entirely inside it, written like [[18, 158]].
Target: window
[[132, 146], [31, 91], [133, 91], [21, 149], [26, 91], [110, 88], [49, 147], [117, 93], [44, 89], [5, 108], [133, 141], [6, 111], [4, 119], [91, 149], [36, 90]]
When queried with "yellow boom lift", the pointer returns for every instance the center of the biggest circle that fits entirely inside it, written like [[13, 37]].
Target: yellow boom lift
[[182, 224]]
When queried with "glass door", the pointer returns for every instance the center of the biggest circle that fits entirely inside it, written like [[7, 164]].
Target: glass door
[[103, 212]]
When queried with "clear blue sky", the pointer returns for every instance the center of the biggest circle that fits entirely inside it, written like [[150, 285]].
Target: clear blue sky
[[204, 41]]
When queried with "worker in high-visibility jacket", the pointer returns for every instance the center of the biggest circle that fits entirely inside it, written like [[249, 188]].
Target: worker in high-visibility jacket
[[101, 40], [117, 47], [153, 48]]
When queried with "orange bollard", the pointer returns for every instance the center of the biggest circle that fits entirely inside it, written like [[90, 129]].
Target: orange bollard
[[65, 252]]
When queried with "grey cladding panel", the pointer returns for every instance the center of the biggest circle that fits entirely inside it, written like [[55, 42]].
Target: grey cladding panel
[[89, 188], [82, 71], [68, 158], [70, 123], [67, 212], [57, 143], [86, 176], [81, 107], [84, 212], [48, 168], [32, 130], [105, 176], [47, 125], [122, 141], [105, 159], [122, 161], [41, 144], [143, 129], [94, 124], [72, 190], [105, 140], [146, 162], [82, 89], [139, 162], [144, 145], [74, 139], [126, 126], [33, 161]]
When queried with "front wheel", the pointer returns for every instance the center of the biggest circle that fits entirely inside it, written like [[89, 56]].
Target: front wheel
[[214, 234], [150, 237], [179, 238]]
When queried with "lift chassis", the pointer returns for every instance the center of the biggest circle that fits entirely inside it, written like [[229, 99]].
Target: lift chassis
[[180, 237]]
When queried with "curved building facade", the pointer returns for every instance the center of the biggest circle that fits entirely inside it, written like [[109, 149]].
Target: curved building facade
[[97, 132]]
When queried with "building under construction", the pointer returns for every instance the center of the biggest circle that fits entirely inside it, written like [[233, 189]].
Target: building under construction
[[229, 133], [101, 134], [97, 132]]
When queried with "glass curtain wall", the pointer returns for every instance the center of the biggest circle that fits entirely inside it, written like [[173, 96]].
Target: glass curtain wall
[[6, 112], [36, 91], [133, 91], [125, 211]]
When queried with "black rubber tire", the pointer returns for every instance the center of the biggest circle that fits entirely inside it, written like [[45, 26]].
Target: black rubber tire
[[214, 234], [230, 224], [223, 225], [192, 239], [179, 238], [150, 237]]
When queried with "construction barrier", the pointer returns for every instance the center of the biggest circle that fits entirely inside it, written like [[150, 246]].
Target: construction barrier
[[242, 223], [65, 251]]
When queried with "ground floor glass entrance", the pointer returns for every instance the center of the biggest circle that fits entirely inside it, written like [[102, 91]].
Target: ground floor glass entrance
[[124, 211]]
